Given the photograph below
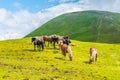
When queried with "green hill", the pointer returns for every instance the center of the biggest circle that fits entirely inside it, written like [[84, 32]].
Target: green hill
[[90, 26], [18, 61]]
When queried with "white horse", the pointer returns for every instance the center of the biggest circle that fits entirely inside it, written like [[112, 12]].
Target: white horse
[[93, 55]]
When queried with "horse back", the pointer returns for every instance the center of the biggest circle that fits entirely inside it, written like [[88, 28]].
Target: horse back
[[39, 42], [64, 47]]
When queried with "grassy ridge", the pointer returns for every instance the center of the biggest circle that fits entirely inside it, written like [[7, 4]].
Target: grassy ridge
[[90, 26], [18, 61]]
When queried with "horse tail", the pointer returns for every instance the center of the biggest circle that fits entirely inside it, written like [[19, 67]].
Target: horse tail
[[70, 52]]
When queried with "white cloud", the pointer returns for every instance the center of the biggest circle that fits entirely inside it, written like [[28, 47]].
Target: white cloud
[[9, 34], [106, 5], [18, 24], [3, 14], [63, 8]]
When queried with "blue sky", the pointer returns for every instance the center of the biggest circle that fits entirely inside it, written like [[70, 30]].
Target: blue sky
[[31, 5], [20, 17]]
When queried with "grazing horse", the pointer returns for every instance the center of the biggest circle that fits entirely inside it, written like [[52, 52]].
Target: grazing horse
[[47, 38], [66, 40], [55, 40], [93, 55], [65, 49], [33, 39], [39, 44]]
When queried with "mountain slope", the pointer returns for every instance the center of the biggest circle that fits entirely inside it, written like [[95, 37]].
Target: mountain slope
[[94, 26]]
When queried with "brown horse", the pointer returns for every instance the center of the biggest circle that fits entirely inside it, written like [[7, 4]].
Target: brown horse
[[64, 48], [47, 39], [93, 55]]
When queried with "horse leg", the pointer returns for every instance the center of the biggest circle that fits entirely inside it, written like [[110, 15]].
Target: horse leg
[[64, 54], [70, 58], [34, 47], [44, 43], [95, 57], [54, 44], [51, 43], [42, 47], [91, 59], [38, 46], [70, 53]]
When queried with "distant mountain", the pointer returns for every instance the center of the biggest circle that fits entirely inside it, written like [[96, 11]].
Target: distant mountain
[[91, 26]]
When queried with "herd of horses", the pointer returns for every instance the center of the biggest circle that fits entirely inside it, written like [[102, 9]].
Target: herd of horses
[[63, 43]]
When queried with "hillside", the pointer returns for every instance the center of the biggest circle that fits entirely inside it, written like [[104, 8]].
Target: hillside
[[90, 26], [18, 61]]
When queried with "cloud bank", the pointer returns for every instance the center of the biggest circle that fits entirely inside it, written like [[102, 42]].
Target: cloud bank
[[20, 23]]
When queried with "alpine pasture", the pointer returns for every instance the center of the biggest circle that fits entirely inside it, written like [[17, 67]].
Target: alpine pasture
[[19, 61]]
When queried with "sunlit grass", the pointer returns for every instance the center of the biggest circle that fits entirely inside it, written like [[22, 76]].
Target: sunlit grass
[[18, 61]]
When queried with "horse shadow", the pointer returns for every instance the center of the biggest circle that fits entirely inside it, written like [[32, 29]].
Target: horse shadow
[[86, 62], [55, 52], [29, 50], [59, 58], [52, 48]]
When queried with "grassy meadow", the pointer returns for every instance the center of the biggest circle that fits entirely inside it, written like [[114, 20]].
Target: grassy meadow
[[18, 61]]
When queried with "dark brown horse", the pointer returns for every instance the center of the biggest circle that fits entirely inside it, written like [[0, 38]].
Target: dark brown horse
[[47, 39], [39, 44], [93, 55], [54, 40]]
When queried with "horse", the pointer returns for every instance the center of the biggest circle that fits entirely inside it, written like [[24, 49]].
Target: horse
[[93, 55], [48, 39], [33, 39], [64, 48], [39, 43], [66, 40], [55, 40]]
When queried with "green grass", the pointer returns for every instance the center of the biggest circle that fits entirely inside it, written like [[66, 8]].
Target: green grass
[[89, 26], [18, 61]]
